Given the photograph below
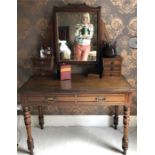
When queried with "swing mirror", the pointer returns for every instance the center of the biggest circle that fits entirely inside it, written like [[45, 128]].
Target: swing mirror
[[77, 34]]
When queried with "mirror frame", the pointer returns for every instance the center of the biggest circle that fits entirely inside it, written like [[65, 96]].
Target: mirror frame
[[76, 8]]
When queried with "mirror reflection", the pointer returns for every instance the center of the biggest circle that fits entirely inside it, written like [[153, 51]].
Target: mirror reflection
[[77, 36]]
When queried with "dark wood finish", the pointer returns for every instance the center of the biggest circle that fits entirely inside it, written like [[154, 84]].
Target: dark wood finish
[[43, 66], [71, 9], [116, 117], [41, 117], [81, 90], [27, 119], [112, 66]]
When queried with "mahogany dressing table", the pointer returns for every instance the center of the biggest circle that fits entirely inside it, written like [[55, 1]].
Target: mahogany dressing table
[[44, 91]]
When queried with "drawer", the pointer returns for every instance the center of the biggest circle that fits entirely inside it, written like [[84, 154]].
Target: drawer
[[52, 98], [101, 99], [40, 62], [111, 62], [112, 68], [45, 62]]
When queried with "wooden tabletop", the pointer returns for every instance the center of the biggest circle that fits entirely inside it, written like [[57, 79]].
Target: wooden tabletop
[[77, 83]]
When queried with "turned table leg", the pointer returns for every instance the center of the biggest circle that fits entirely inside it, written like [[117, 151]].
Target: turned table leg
[[126, 126], [27, 119], [41, 117], [116, 117]]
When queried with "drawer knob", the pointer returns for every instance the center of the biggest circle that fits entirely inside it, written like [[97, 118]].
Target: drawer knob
[[111, 68], [100, 99], [49, 99]]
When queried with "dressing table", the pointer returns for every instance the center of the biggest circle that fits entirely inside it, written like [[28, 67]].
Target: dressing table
[[47, 91], [81, 90]]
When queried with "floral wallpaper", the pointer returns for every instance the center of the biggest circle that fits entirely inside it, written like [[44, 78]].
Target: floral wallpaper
[[34, 19]]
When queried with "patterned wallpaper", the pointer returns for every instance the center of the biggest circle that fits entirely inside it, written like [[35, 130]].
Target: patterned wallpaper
[[34, 18]]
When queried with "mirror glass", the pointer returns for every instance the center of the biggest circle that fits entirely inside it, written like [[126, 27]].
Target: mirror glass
[[77, 36]]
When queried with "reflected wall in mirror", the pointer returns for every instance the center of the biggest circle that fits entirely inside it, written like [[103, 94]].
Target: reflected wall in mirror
[[77, 34]]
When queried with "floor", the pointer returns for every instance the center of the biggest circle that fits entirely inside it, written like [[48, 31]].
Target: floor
[[77, 140]]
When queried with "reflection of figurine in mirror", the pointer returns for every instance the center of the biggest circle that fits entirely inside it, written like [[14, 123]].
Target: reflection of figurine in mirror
[[65, 52], [42, 55], [83, 35]]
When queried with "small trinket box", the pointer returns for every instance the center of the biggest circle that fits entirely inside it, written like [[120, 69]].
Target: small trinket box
[[65, 72]]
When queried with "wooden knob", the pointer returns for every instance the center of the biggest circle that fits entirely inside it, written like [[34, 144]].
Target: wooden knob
[[51, 99], [111, 68]]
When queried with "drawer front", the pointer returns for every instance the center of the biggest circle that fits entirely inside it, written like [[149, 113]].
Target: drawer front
[[37, 63], [111, 62], [101, 99], [53, 98], [112, 68]]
